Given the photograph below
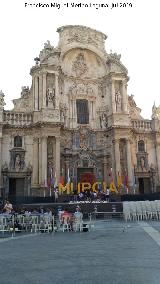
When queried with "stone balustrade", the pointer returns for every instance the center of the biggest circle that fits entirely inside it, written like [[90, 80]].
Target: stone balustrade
[[141, 124], [19, 118]]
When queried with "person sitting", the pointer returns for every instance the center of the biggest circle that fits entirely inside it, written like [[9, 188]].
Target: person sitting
[[8, 207], [66, 218], [80, 196]]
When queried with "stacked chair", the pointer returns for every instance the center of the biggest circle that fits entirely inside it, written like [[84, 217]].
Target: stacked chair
[[141, 210]]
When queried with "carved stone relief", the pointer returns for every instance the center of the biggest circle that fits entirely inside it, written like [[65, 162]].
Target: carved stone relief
[[2, 102], [81, 89], [82, 35], [156, 112], [79, 66]]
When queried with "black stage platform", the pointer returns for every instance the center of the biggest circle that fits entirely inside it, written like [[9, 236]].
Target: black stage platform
[[71, 207]]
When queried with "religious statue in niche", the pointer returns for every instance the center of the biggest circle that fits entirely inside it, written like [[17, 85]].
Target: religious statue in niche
[[62, 116], [17, 164], [142, 163], [50, 98], [118, 100], [103, 121], [79, 65]]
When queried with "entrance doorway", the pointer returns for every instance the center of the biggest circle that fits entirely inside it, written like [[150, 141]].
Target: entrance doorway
[[85, 175], [16, 187], [144, 185]]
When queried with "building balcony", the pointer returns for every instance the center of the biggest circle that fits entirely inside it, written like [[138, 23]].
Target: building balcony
[[142, 125], [19, 118]]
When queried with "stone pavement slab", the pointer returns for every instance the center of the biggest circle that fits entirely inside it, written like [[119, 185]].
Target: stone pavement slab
[[107, 254]]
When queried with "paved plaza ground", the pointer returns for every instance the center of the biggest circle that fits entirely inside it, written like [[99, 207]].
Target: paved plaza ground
[[110, 253]]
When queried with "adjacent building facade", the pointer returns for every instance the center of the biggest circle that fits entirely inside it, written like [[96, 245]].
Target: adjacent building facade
[[77, 115]]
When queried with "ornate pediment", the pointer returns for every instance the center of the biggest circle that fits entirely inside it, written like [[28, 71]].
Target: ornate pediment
[[133, 109], [46, 51], [114, 63], [24, 103], [155, 112], [82, 35]]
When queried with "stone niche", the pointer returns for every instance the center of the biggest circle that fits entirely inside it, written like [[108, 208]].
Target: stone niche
[[83, 64]]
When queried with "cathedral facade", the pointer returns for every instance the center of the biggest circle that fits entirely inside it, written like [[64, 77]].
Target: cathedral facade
[[77, 117]]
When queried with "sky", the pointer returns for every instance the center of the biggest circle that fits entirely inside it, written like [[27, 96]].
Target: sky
[[131, 32]]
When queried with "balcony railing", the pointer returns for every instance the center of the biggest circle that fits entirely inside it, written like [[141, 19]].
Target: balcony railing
[[141, 124], [15, 118]]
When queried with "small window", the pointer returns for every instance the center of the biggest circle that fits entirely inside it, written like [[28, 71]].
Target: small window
[[82, 111], [141, 147], [17, 141]]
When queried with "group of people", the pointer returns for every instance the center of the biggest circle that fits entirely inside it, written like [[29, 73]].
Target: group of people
[[61, 217], [67, 218], [89, 195]]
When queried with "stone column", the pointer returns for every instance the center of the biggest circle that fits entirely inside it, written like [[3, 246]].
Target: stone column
[[113, 103], [72, 109], [113, 162], [40, 161], [0, 164], [74, 114], [40, 91], [105, 177], [36, 95], [35, 162], [124, 96], [44, 91], [75, 109], [44, 159], [56, 92], [129, 163], [70, 112], [117, 156], [157, 146], [57, 157]]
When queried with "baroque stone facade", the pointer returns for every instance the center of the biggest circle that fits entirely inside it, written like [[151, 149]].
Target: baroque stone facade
[[77, 115]]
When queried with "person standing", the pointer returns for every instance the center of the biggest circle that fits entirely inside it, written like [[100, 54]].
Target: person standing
[[107, 194]]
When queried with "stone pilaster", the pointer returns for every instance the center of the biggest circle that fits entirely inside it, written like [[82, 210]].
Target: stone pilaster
[[35, 179], [44, 89], [0, 164], [44, 159], [113, 104], [117, 156], [74, 114], [40, 91], [40, 161], [56, 92], [157, 148], [124, 96], [129, 163], [105, 176], [57, 158], [36, 93]]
